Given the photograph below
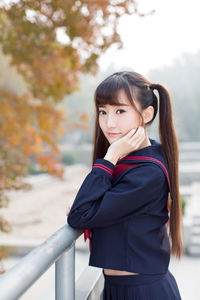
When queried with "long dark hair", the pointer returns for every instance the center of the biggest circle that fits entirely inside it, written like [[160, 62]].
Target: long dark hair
[[138, 87]]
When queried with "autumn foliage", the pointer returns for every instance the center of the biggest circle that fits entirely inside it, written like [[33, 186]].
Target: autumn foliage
[[30, 32]]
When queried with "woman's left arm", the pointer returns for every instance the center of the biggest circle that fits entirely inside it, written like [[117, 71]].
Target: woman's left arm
[[99, 204]]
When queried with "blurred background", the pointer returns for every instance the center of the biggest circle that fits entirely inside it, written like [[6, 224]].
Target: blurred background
[[53, 54]]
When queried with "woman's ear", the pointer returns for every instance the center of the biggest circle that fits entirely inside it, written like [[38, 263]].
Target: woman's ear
[[148, 114]]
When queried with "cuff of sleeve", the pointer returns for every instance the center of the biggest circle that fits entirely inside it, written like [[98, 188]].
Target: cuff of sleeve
[[104, 166]]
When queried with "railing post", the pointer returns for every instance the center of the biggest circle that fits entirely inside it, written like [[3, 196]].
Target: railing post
[[65, 275]]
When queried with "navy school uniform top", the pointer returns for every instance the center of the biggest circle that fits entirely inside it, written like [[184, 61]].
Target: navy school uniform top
[[127, 213]]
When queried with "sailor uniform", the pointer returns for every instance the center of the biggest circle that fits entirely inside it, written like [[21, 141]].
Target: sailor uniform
[[125, 210]]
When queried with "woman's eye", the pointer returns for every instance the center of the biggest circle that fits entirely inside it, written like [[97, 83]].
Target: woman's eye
[[101, 112], [120, 111]]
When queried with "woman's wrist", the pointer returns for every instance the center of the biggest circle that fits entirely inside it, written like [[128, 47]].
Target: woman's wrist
[[111, 158]]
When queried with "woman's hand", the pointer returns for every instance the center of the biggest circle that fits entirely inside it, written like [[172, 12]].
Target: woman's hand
[[69, 205], [132, 141]]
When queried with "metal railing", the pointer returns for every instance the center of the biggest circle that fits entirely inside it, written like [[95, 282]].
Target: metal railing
[[58, 249]]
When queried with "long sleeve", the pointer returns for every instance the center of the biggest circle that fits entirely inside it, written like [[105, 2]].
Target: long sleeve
[[98, 203]]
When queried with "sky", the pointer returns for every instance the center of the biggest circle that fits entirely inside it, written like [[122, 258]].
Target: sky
[[154, 41]]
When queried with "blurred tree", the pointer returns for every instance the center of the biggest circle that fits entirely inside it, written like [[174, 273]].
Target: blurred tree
[[31, 31], [50, 43]]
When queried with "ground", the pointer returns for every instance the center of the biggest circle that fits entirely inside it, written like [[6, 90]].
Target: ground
[[35, 215]]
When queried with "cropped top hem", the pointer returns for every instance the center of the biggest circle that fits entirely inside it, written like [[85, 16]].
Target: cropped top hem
[[132, 270]]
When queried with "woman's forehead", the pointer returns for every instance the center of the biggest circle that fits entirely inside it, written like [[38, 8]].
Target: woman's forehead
[[119, 98]]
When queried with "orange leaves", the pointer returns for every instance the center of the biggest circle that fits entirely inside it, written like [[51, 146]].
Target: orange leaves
[[28, 129], [54, 75], [50, 164], [32, 142]]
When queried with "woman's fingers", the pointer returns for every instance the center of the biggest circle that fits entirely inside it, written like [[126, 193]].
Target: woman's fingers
[[67, 212], [139, 134], [135, 136], [131, 132], [137, 139], [68, 209]]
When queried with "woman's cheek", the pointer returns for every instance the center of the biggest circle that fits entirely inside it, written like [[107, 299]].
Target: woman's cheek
[[101, 125], [131, 123]]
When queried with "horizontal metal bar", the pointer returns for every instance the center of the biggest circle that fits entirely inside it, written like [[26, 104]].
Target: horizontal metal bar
[[18, 279]]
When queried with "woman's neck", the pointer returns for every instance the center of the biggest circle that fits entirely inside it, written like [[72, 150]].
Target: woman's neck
[[145, 143]]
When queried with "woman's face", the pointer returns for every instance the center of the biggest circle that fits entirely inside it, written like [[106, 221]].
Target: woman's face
[[117, 120]]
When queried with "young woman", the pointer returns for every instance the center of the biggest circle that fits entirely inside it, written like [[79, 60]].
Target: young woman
[[129, 204]]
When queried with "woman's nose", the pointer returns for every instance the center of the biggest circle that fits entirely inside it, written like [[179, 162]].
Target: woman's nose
[[111, 121]]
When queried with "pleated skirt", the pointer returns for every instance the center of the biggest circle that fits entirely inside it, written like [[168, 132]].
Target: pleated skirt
[[141, 287]]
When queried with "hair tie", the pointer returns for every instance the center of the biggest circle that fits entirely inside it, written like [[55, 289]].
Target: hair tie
[[153, 86]]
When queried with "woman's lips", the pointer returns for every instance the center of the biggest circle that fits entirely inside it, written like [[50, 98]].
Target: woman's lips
[[113, 134]]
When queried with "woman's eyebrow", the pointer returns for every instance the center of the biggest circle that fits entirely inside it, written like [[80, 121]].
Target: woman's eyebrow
[[122, 104], [118, 104]]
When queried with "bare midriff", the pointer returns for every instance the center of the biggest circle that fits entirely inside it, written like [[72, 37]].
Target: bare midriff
[[118, 272]]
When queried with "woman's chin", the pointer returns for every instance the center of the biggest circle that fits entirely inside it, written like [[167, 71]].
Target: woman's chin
[[112, 139]]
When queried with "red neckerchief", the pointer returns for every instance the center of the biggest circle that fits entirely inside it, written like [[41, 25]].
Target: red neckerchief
[[117, 170]]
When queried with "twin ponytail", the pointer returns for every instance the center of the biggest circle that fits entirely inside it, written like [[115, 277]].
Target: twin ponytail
[[169, 144]]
